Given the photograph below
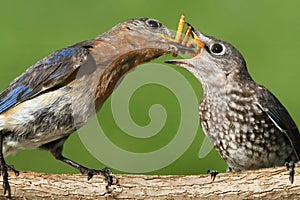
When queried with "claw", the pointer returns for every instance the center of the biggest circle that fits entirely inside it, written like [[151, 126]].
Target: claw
[[213, 174], [291, 167], [12, 168], [106, 172]]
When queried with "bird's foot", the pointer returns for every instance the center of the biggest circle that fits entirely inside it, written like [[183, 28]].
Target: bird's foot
[[12, 168], [291, 167], [6, 186], [213, 174], [106, 172]]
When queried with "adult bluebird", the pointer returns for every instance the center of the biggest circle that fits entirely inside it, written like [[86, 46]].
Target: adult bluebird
[[245, 122], [63, 91]]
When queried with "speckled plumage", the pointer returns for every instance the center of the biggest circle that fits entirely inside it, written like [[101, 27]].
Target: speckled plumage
[[245, 122], [61, 92]]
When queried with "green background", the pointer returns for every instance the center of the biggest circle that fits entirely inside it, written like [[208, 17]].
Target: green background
[[266, 32]]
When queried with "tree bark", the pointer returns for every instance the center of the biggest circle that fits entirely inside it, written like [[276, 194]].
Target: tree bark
[[270, 183]]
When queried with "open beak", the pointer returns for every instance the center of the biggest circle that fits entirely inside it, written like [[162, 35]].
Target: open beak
[[185, 42], [179, 47], [183, 63], [191, 40]]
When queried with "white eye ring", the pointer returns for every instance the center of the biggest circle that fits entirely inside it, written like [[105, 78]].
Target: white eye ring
[[217, 49]]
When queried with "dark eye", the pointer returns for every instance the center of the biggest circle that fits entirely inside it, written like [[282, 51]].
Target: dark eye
[[154, 24], [217, 49]]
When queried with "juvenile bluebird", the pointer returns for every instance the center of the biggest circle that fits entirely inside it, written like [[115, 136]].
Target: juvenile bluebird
[[245, 122], [63, 91]]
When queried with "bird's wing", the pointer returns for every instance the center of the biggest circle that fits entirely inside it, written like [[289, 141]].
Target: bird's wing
[[280, 117], [49, 72]]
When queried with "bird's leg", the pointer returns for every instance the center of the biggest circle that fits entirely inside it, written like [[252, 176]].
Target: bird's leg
[[213, 174], [106, 172], [4, 168], [291, 167]]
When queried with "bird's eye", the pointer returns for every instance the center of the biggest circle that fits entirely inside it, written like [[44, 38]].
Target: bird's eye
[[217, 49], [154, 24]]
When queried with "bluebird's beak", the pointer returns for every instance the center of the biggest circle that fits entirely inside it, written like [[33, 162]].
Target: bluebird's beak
[[179, 47], [200, 57]]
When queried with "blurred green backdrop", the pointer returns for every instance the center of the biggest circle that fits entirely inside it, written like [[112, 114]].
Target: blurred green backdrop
[[265, 32]]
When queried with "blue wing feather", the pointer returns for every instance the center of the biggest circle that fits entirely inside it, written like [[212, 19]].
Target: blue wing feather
[[11, 97], [45, 74]]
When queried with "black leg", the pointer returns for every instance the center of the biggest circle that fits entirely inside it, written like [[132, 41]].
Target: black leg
[[4, 168], [291, 167], [12, 168], [106, 172], [213, 174]]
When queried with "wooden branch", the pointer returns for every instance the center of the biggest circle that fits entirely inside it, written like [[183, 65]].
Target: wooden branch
[[265, 183]]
